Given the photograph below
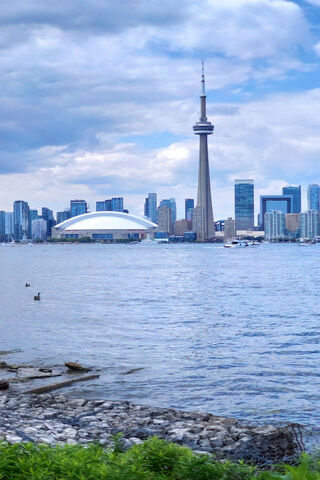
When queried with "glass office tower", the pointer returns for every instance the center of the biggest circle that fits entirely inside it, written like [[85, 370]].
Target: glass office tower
[[244, 204], [313, 197], [295, 192]]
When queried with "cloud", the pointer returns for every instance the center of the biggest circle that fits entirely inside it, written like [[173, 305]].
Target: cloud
[[78, 84]]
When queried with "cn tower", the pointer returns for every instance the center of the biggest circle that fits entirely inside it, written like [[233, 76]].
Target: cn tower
[[203, 215]]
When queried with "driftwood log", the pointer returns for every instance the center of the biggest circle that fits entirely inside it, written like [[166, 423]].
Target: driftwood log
[[55, 386]]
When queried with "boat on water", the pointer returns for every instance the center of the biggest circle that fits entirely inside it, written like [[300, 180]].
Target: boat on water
[[240, 244], [161, 240]]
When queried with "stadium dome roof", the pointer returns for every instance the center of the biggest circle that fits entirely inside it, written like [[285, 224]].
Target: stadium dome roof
[[105, 221]]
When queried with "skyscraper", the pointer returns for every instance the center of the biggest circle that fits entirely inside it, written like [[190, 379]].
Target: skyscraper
[[33, 215], [170, 203], [295, 192], [9, 228], [2, 225], [150, 207], [274, 225], [62, 216], [165, 219], [188, 208], [78, 207], [244, 204], [114, 204], [313, 197], [47, 215], [269, 203], [309, 226], [202, 214], [20, 219]]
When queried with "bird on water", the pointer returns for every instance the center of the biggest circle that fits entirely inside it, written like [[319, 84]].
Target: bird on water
[[27, 284], [37, 297]]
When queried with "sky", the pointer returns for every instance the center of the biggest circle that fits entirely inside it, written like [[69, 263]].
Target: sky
[[98, 99]]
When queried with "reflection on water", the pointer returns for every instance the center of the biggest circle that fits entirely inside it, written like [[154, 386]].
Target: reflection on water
[[234, 332]]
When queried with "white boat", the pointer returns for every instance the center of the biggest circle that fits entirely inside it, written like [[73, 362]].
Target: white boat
[[240, 244], [161, 240]]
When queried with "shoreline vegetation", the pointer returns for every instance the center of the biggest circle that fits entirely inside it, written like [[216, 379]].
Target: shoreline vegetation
[[154, 459]]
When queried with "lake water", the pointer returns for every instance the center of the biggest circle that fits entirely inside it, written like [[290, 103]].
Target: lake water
[[235, 332]]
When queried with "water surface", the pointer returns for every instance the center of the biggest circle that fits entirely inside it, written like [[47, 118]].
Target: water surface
[[235, 332]]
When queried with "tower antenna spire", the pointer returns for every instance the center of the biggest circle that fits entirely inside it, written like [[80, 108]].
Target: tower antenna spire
[[203, 83]]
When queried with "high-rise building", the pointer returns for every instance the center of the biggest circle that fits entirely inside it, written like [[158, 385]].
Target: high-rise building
[[33, 215], [9, 229], [188, 208], [274, 226], [78, 207], [62, 216], [39, 229], [203, 223], [114, 204], [47, 215], [2, 225], [20, 219], [244, 204], [150, 207], [164, 220], [313, 194], [295, 193], [292, 225], [229, 229], [269, 203], [309, 224], [182, 226], [170, 203]]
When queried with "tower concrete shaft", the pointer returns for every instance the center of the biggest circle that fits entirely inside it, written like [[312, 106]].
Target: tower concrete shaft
[[203, 215]]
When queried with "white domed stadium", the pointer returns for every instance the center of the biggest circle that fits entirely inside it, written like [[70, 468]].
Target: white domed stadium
[[105, 226]]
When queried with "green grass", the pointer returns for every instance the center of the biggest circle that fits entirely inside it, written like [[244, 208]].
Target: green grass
[[153, 460]]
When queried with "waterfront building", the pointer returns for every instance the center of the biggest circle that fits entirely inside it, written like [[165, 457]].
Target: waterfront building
[[150, 207], [229, 229], [20, 219], [313, 194], [244, 204], [33, 215], [47, 215], [165, 220], [203, 215], [39, 229], [274, 226], [292, 225], [269, 203], [2, 225], [78, 207], [309, 224], [295, 193], [62, 216], [9, 230], [181, 226], [105, 226], [170, 203], [188, 208], [114, 204]]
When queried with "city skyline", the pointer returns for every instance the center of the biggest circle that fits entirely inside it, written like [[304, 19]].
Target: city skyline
[[92, 108]]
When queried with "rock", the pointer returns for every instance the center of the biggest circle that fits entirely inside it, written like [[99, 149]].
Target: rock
[[10, 438], [4, 384], [74, 366]]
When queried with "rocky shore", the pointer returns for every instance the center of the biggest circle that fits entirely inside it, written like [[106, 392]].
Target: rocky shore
[[57, 419]]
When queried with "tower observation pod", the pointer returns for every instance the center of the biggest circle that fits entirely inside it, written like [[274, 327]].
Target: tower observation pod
[[203, 215]]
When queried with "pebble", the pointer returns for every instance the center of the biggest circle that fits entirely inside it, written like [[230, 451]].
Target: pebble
[[56, 419]]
